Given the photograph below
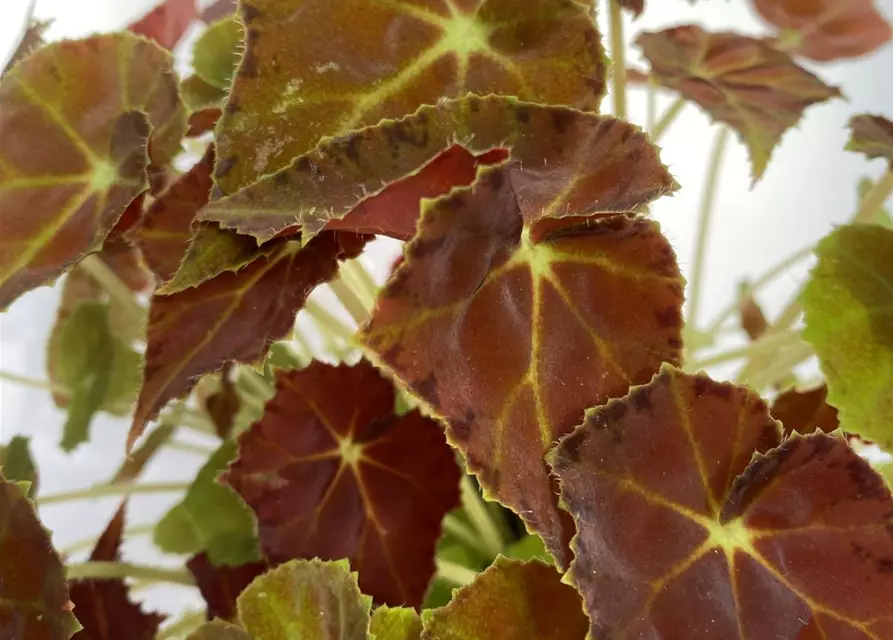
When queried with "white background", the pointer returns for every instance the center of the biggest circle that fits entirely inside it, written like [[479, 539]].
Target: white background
[[809, 187]]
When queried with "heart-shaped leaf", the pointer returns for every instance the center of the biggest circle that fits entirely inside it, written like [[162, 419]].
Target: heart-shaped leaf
[[509, 331], [684, 533], [359, 481], [744, 82], [873, 136]]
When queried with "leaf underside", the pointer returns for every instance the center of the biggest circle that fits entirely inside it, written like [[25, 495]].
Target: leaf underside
[[873, 136]]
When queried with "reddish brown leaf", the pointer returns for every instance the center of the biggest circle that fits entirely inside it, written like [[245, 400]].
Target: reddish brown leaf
[[827, 29], [165, 230], [223, 405], [332, 472], [343, 73], [509, 331], [873, 136], [635, 76], [753, 321], [757, 90], [232, 317], [684, 533], [636, 7], [202, 121], [167, 22], [126, 262], [220, 586], [219, 10], [103, 607], [805, 411], [31, 40]]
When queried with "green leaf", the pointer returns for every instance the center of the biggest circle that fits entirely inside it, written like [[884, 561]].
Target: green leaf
[[306, 599], [220, 630], [886, 471], [216, 53], [34, 603], [198, 94], [395, 623], [17, 465], [530, 547], [848, 305], [211, 518]]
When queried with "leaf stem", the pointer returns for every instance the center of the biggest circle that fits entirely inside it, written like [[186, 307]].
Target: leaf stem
[[481, 518], [618, 59], [768, 342], [667, 119], [116, 289], [875, 198], [360, 281], [88, 543], [112, 489], [651, 105], [87, 570], [463, 533], [33, 383], [349, 300], [704, 222], [327, 322], [455, 573]]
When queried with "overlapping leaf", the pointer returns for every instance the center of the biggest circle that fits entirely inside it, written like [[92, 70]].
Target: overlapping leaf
[[220, 585], [220, 630], [224, 404], [510, 331], [805, 411], [873, 136], [30, 41], [17, 465], [103, 606], [847, 303], [511, 600], [34, 602], [563, 161], [312, 69], [683, 533], [218, 10], [744, 82], [395, 623], [827, 29], [74, 119], [167, 22], [332, 472], [216, 53], [233, 317]]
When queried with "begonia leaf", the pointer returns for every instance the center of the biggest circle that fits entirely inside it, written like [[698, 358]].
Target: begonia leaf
[[220, 630], [216, 53], [74, 120], [312, 69], [511, 600], [510, 331], [873, 136], [758, 91], [199, 95], [395, 623], [550, 148], [305, 599], [805, 411], [332, 472], [136, 462], [847, 304], [31, 40], [750, 314], [167, 22], [211, 518], [233, 317], [826, 30], [103, 606], [202, 121], [34, 603], [683, 532], [224, 404], [218, 10], [17, 465], [221, 585]]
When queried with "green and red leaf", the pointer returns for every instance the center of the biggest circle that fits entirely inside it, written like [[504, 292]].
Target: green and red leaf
[[312, 69], [744, 82], [805, 411], [873, 136], [332, 472], [684, 532], [509, 330], [74, 121]]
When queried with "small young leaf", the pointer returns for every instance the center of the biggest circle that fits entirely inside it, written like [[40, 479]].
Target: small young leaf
[[805, 411], [332, 473], [684, 533], [826, 30], [17, 465], [103, 606], [873, 136], [397, 623], [211, 518], [220, 630], [216, 53], [511, 600], [847, 304], [750, 313], [220, 585], [758, 91], [306, 599], [343, 72], [167, 22], [34, 603], [75, 119]]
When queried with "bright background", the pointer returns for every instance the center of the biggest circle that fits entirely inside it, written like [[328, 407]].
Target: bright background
[[809, 187]]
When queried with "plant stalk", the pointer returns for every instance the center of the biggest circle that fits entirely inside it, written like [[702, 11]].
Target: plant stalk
[[481, 518], [667, 119], [328, 323], [111, 570], [33, 383], [618, 59], [769, 342], [349, 300], [455, 573], [113, 489], [86, 544]]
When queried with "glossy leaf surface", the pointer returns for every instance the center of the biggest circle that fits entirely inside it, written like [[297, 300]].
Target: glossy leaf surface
[[17, 465], [805, 411], [103, 607], [211, 518], [511, 600], [74, 119], [826, 30], [847, 304], [757, 90], [683, 532], [34, 602], [395, 623], [873, 136], [563, 162], [167, 22], [509, 332], [312, 69], [332, 472], [231, 318], [221, 585]]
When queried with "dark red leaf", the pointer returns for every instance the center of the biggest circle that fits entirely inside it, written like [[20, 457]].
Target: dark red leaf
[[167, 22], [220, 586], [873, 136], [202, 121], [805, 411], [224, 404]]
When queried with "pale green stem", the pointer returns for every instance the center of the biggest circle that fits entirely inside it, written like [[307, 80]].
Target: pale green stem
[[651, 106], [302, 345], [481, 518], [34, 383], [328, 323], [105, 490], [361, 281], [188, 447], [88, 543], [186, 623], [667, 119], [256, 381], [618, 59], [116, 289], [771, 342], [455, 573], [349, 300], [87, 570], [875, 199], [777, 368], [184, 416], [704, 223], [462, 532]]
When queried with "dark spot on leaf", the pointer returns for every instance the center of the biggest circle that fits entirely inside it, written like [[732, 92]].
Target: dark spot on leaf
[[522, 113], [869, 484], [248, 68], [232, 107], [427, 389], [225, 165], [669, 317], [642, 400], [615, 411], [562, 119], [249, 13], [280, 178], [860, 552]]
